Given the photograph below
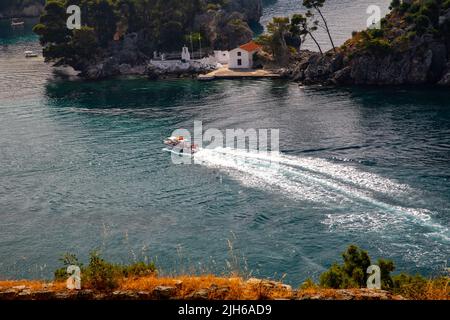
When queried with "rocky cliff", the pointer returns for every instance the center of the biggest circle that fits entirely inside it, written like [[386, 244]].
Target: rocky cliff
[[409, 48]]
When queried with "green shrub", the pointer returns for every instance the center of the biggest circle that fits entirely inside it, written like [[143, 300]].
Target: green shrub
[[404, 7], [430, 9], [425, 11], [378, 46], [138, 269], [446, 5], [386, 267], [101, 274], [414, 8], [351, 274], [422, 22], [376, 33], [395, 4], [335, 278]]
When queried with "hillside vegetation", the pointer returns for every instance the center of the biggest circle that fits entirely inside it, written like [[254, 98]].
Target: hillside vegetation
[[130, 31], [410, 46]]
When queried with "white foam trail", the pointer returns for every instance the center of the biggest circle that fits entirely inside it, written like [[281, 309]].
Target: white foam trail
[[347, 174], [323, 182]]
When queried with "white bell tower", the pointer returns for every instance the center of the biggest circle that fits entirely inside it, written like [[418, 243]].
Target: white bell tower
[[185, 55]]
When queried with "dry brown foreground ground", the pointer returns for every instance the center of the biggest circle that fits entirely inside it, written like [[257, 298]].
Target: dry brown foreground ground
[[207, 287]]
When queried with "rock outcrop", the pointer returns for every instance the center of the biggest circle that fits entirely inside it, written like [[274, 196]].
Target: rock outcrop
[[400, 57], [423, 63], [111, 67], [125, 59], [266, 290]]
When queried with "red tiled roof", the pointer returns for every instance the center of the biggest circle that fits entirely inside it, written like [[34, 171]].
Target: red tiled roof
[[251, 46]]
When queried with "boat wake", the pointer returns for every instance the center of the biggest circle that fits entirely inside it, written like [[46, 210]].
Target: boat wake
[[356, 199]]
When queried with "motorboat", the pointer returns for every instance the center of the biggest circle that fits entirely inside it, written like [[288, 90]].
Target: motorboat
[[180, 145], [30, 54], [17, 23]]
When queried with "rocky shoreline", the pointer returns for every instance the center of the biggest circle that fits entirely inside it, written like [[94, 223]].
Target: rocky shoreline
[[126, 60], [128, 49], [396, 54], [423, 64], [153, 70], [409, 48]]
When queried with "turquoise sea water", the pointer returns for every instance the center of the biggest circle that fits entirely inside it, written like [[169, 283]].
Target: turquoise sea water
[[82, 167]]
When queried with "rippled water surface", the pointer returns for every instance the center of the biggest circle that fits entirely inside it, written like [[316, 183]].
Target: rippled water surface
[[82, 167]]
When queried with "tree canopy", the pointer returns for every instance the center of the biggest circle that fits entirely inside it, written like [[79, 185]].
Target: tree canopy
[[161, 25]]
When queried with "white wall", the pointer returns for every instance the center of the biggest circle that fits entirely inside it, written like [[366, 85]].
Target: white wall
[[245, 57], [222, 57], [185, 54]]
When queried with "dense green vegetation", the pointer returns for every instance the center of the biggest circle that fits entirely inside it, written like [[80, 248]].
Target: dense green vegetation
[[423, 14], [161, 25], [352, 274], [406, 23], [101, 274]]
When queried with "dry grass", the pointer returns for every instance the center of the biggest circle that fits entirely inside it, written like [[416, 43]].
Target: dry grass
[[235, 288], [436, 289], [33, 285]]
